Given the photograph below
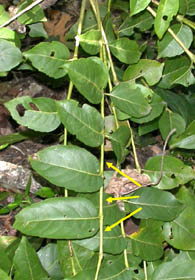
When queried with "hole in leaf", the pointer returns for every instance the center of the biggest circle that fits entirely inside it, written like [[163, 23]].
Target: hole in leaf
[[172, 176], [33, 106], [109, 262], [165, 17], [20, 109], [170, 233], [136, 271], [52, 54], [91, 230]]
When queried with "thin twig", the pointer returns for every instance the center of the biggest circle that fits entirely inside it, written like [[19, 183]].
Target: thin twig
[[145, 271], [37, 2]]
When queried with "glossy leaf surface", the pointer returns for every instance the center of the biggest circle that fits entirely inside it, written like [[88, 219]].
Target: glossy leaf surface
[[26, 262], [49, 58], [149, 69], [120, 139], [147, 242], [10, 56], [70, 167], [165, 12], [168, 47], [175, 172], [86, 122], [129, 98], [137, 6], [89, 75], [127, 51], [156, 204], [59, 218], [157, 105], [175, 270], [187, 139], [39, 114], [141, 21]]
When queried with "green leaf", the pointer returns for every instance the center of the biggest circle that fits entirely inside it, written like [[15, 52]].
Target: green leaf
[[167, 9], [114, 242], [26, 262], [176, 102], [79, 259], [187, 7], [49, 58], [3, 275], [33, 15], [40, 114], [86, 122], [90, 41], [148, 127], [10, 36], [156, 204], [127, 51], [170, 120], [37, 30], [186, 196], [59, 218], [10, 56], [70, 167], [187, 139], [175, 270], [147, 242], [5, 263], [175, 172], [48, 256], [180, 233], [141, 21], [151, 70], [157, 105], [45, 192], [89, 75], [115, 266], [129, 98], [109, 123], [108, 27], [177, 71], [137, 6], [18, 137], [120, 139], [4, 16], [168, 47]]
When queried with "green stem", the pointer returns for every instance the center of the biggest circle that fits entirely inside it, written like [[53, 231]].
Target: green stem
[[109, 5], [82, 11], [95, 7], [134, 151], [75, 56], [105, 41], [189, 53], [145, 271], [125, 251], [101, 214], [188, 22]]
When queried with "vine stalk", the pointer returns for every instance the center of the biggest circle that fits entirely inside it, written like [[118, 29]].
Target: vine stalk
[[68, 97], [189, 53]]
